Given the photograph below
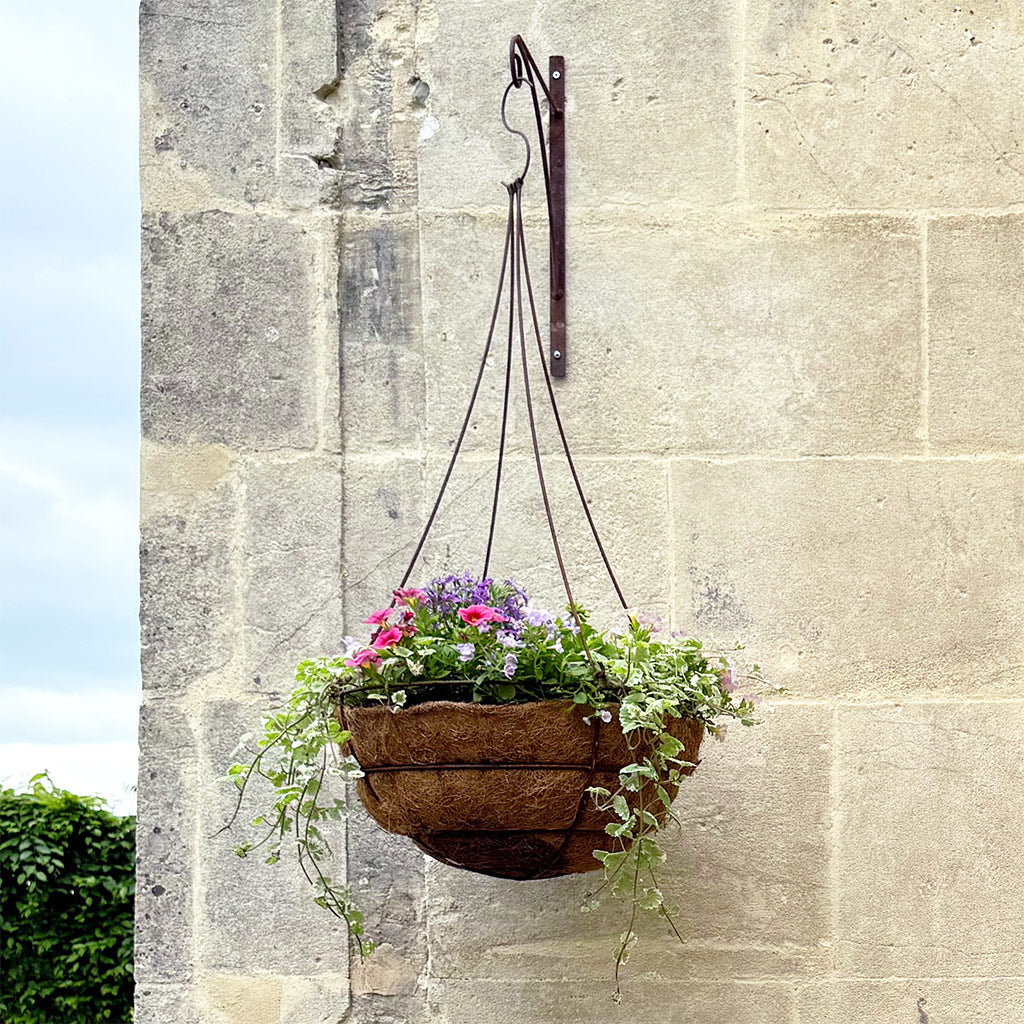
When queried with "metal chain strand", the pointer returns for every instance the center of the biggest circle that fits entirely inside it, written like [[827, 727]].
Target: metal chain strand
[[504, 421], [558, 423], [514, 255], [517, 274], [472, 400]]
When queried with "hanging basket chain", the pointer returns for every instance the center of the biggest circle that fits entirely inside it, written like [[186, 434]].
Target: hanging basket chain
[[472, 400], [504, 415], [515, 268]]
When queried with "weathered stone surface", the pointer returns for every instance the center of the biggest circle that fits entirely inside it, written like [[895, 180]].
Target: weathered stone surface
[[975, 322], [389, 874], [187, 585], [240, 999], [320, 1000], [165, 858], [747, 869], [258, 918], [308, 359], [649, 121], [884, 104], [227, 352], [928, 840], [208, 106], [924, 1001], [871, 577], [786, 336], [171, 1003], [292, 555], [382, 521], [567, 1002], [382, 361]]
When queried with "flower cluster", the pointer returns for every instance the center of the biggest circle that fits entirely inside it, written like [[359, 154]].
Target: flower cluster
[[462, 638]]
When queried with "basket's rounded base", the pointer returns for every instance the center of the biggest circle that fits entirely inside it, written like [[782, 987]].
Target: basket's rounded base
[[517, 855]]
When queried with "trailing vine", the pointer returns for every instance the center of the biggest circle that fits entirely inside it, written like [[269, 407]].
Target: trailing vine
[[488, 645]]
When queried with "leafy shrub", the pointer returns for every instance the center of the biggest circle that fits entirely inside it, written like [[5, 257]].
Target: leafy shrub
[[67, 876]]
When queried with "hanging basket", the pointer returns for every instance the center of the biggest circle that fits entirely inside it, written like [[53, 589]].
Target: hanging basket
[[500, 789]]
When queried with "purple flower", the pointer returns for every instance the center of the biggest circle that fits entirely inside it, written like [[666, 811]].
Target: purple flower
[[606, 716], [537, 617], [557, 645], [511, 664], [728, 682], [465, 651], [653, 622], [507, 638]]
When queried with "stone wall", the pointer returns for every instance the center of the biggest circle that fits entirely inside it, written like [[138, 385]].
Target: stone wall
[[795, 243]]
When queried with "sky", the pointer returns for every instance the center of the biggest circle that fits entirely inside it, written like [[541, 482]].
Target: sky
[[69, 297]]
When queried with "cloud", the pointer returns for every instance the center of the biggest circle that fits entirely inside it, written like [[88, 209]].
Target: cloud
[[79, 712]]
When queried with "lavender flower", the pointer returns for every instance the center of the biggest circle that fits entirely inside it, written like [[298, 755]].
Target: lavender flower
[[465, 651], [606, 716], [446, 594], [537, 617], [507, 638], [511, 664]]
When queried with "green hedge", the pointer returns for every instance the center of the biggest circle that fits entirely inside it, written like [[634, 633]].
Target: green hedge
[[67, 875]]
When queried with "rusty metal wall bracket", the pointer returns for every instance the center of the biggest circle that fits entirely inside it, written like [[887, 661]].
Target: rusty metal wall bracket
[[524, 69]]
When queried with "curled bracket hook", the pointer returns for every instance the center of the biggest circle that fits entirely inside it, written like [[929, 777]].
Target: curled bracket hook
[[515, 131], [523, 68]]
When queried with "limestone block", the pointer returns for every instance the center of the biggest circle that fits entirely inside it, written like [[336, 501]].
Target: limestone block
[[866, 577], [569, 1002], [746, 868], [258, 917], [382, 362], [242, 999], [976, 366], [165, 861], [783, 335], [292, 559], [387, 873], [925, 1001], [928, 841], [320, 1000], [650, 120], [383, 517], [187, 586], [884, 104], [208, 106], [227, 349], [158, 1003]]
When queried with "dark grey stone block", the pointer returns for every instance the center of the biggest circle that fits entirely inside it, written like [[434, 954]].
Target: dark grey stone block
[[165, 865], [228, 350]]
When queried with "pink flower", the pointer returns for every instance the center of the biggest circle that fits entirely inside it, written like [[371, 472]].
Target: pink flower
[[409, 594], [368, 654], [728, 683], [478, 614], [377, 618], [387, 638]]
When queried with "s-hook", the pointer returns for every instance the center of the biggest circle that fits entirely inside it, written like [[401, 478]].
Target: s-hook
[[524, 68]]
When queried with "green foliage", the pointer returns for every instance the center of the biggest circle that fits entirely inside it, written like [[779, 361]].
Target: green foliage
[[477, 641], [67, 874]]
